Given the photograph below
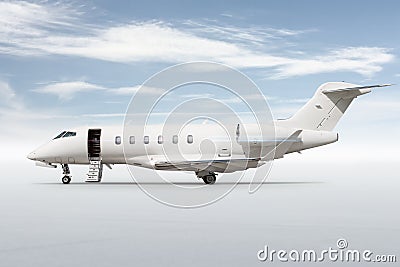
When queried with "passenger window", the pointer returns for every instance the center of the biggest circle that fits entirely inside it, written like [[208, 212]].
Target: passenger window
[[160, 139], [190, 139], [146, 139], [175, 139], [131, 140], [118, 140]]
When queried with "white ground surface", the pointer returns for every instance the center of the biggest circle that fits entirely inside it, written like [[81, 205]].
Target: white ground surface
[[304, 205]]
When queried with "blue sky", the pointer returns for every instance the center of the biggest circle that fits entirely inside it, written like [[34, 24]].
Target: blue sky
[[64, 64]]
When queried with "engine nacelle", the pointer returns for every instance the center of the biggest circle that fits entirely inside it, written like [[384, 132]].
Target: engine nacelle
[[310, 139]]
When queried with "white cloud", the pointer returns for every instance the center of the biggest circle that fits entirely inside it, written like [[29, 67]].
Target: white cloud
[[255, 35], [134, 89], [363, 60], [140, 42], [6, 92], [66, 90], [36, 29], [126, 90], [24, 21], [199, 95], [8, 97], [104, 115]]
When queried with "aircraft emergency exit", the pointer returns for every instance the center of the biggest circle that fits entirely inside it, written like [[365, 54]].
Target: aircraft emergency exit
[[311, 126]]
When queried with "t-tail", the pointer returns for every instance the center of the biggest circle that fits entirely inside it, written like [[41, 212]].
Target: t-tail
[[324, 110]]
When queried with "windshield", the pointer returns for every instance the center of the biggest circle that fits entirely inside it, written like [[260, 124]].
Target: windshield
[[68, 134], [65, 134], [58, 136]]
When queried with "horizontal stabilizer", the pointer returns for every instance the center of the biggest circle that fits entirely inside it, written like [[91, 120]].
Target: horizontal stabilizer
[[354, 88]]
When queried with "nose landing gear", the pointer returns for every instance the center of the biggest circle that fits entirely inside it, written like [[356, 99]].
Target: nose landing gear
[[208, 177], [66, 179]]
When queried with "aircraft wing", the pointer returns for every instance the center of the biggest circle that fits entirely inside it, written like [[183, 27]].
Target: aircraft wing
[[192, 163], [256, 152], [218, 165]]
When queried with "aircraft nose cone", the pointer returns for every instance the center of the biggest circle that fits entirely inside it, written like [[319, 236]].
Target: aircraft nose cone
[[31, 156]]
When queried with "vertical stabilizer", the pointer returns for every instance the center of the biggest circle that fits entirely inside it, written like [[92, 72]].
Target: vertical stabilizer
[[324, 110]]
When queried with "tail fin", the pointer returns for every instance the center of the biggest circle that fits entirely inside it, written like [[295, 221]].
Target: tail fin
[[324, 110]]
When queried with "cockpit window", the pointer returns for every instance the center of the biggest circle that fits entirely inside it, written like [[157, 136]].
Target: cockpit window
[[65, 134], [58, 136], [69, 134]]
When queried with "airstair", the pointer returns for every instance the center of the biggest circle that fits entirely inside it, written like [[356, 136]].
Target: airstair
[[94, 156], [95, 170]]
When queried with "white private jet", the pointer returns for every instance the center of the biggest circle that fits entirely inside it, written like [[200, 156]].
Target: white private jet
[[310, 127]]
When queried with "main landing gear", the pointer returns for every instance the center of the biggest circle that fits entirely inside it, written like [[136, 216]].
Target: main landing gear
[[207, 177], [67, 176]]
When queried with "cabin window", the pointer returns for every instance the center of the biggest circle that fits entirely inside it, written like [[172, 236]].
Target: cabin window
[[190, 139], [118, 140], [131, 140], [146, 139], [160, 139], [175, 139]]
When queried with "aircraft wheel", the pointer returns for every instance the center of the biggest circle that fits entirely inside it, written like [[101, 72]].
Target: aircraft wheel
[[66, 179], [209, 179]]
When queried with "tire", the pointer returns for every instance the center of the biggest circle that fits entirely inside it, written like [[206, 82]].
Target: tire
[[66, 179], [209, 179]]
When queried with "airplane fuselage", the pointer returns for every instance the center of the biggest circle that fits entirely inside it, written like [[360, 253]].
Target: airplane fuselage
[[141, 149], [205, 149]]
